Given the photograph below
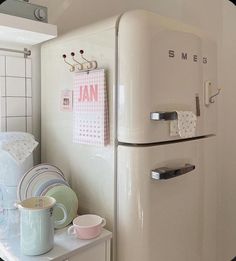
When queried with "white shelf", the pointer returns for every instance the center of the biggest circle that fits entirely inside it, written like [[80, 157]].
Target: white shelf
[[25, 31], [65, 247]]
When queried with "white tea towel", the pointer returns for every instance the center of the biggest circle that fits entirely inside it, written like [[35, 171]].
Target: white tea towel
[[19, 145], [185, 125], [90, 112]]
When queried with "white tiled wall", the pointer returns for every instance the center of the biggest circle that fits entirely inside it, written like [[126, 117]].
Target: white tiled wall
[[16, 94]]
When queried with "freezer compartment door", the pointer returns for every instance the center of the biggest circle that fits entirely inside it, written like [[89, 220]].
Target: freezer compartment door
[[164, 67], [172, 218]]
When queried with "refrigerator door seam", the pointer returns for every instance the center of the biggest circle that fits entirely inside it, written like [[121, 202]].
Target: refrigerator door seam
[[164, 142]]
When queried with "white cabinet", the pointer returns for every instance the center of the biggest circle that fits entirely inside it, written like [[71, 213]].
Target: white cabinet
[[66, 248], [100, 252]]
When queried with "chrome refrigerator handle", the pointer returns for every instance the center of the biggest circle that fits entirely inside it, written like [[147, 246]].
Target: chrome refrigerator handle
[[164, 116], [168, 173]]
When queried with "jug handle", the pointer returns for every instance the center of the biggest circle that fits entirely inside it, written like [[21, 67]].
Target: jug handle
[[62, 221]]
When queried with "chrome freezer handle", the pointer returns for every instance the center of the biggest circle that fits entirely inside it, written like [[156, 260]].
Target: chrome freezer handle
[[164, 116], [168, 173]]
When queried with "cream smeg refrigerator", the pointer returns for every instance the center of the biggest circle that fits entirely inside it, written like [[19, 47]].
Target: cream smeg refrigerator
[[166, 185], [157, 192]]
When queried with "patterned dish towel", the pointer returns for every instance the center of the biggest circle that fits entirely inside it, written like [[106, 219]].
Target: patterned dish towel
[[19, 145], [90, 108], [185, 126]]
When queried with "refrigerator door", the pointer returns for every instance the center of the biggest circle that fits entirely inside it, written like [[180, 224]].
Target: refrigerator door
[[164, 66], [169, 219]]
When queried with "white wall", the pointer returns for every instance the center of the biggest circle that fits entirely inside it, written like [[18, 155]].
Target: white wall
[[36, 89], [70, 14], [89, 169]]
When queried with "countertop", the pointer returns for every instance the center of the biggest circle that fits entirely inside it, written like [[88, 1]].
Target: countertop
[[64, 245]]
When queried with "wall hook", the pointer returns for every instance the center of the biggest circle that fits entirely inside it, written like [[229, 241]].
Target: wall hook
[[72, 67], [80, 65], [81, 53], [89, 64], [208, 89], [211, 99]]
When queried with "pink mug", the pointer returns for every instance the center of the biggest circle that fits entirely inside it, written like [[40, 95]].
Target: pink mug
[[87, 226]]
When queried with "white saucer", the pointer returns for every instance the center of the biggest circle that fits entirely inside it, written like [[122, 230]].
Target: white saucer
[[28, 176]]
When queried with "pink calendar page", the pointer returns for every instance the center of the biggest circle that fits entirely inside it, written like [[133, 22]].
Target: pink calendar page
[[90, 110]]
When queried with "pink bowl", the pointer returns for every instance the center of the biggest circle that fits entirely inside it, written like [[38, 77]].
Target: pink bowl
[[87, 226]]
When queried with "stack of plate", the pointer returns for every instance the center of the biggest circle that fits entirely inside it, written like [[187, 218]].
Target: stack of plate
[[48, 180]]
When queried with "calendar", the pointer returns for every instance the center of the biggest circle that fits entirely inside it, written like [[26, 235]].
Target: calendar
[[90, 110]]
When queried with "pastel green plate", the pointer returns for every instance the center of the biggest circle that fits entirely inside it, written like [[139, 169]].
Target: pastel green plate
[[66, 196]]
